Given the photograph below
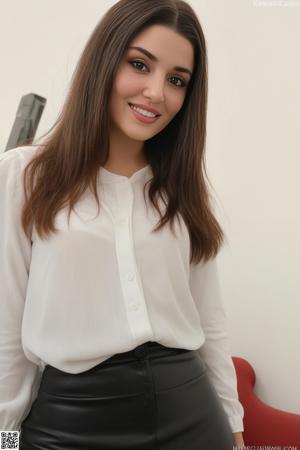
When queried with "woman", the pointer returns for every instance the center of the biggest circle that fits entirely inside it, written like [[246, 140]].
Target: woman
[[115, 334]]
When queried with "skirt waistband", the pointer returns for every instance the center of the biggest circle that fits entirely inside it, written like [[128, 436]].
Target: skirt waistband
[[148, 349], [124, 373]]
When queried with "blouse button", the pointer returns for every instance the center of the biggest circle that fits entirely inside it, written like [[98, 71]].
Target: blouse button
[[133, 306], [130, 277]]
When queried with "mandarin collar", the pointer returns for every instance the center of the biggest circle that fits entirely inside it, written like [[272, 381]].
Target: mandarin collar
[[143, 174]]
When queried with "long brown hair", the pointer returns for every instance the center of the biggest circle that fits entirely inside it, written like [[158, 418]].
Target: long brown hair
[[68, 161]]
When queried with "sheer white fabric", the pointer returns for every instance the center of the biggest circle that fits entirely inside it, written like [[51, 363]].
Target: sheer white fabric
[[102, 285]]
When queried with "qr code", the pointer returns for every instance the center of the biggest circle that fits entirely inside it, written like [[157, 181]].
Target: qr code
[[9, 439]]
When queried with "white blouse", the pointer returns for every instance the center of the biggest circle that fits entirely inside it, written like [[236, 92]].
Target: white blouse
[[102, 285]]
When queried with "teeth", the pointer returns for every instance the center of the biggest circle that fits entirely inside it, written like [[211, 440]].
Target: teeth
[[142, 111]]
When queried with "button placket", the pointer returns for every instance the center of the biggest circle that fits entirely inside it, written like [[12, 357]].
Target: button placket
[[133, 294]]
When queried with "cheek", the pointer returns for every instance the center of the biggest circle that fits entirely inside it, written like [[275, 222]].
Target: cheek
[[125, 84], [173, 105]]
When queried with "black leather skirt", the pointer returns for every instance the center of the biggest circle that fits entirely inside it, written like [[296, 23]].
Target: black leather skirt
[[153, 397]]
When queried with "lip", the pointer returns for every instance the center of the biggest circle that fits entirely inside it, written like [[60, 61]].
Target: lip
[[146, 108], [142, 118]]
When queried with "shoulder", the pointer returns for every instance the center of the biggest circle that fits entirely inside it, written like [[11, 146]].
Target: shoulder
[[13, 161], [12, 164], [23, 154]]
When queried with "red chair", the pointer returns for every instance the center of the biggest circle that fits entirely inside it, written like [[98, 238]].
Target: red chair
[[263, 424]]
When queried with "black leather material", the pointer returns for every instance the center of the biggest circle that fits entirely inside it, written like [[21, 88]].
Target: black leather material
[[151, 398]]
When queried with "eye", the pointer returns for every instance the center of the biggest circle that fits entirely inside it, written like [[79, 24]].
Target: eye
[[137, 62], [179, 79], [132, 63]]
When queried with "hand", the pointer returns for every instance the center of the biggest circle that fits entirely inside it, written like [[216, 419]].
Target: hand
[[238, 439]]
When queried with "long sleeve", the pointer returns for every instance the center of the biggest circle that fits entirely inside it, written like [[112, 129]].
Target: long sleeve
[[205, 288], [17, 373]]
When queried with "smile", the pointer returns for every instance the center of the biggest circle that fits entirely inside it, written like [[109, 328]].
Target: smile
[[142, 115], [143, 111]]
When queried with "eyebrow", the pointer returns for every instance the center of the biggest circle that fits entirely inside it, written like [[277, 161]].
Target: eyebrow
[[154, 58]]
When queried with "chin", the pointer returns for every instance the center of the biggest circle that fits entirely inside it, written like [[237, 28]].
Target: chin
[[141, 135]]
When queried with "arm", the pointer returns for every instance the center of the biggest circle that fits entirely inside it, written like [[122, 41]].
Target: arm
[[205, 289], [238, 439], [17, 373]]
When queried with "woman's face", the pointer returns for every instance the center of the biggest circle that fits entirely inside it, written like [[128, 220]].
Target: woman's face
[[156, 82]]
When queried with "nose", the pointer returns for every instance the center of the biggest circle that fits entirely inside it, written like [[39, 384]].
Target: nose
[[154, 89]]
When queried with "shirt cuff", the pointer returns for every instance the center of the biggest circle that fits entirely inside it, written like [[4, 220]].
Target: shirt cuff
[[236, 424]]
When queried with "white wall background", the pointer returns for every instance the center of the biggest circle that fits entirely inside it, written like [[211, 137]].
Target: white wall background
[[253, 149]]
